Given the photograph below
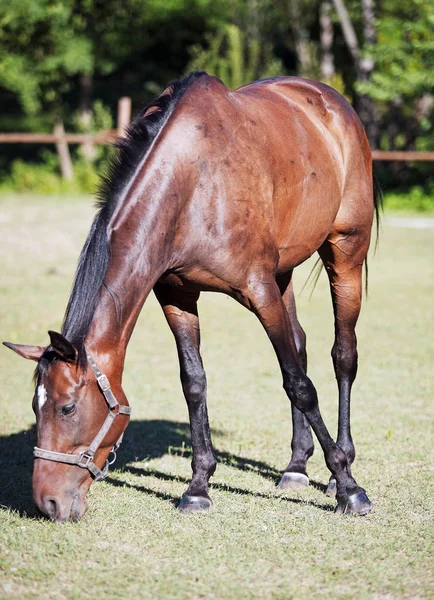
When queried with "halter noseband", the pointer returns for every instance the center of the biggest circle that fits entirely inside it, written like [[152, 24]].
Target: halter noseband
[[85, 458]]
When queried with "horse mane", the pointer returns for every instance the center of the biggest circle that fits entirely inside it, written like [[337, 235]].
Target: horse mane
[[95, 255]]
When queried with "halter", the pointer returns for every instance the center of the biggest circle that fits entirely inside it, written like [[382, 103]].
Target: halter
[[85, 458]]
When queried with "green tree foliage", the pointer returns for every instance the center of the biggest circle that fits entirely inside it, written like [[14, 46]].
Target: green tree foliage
[[404, 53], [46, 44], [41, 49], [235, 57], [74, 59]]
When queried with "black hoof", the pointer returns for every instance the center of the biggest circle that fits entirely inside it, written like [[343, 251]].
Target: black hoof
[[331, 488], [356, 504], [195, 504], [293, 481]]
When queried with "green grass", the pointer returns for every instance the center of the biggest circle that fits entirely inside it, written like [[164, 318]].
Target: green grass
[[258, 542]]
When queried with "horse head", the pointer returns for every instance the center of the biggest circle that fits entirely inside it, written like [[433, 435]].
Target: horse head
[[76, 422]]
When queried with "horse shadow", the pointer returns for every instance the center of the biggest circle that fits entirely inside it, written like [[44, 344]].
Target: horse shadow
[[144, 440]]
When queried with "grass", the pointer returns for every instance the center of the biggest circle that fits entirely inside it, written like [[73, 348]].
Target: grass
[[258, 542]]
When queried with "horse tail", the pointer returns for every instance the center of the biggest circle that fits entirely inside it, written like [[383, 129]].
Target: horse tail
[[378, 205], [378, 209]]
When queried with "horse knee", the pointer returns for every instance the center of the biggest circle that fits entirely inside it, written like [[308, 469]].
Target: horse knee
[[301, 392], [193, 381]]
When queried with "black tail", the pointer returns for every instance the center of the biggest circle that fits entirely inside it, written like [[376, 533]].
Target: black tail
[[378, 209], [378, 206]]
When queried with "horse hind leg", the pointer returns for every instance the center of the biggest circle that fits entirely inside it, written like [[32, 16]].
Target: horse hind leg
[[343, 255], [295, 476], [180, 310], [265, 300]]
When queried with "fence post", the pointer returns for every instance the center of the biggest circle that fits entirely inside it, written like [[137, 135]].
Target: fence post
[[63, 152], [124, 115]]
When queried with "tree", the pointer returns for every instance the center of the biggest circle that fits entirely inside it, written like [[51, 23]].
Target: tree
[[40, 51], [363, 62]]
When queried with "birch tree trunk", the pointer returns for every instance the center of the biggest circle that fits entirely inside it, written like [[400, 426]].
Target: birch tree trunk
[[301, 37], [326, 40], [363, 64], [85, 115]]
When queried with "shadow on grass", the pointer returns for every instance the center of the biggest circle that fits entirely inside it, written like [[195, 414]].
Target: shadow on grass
[[213, 485], [16, 465], [143, 440]]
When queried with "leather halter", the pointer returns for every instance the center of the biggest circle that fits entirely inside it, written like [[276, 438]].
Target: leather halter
[[85, 458]]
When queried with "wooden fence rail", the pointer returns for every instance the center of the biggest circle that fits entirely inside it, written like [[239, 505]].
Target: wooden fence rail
[[102, 137], [398, 155]]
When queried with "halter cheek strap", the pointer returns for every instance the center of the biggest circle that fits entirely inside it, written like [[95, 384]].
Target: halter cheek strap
[[85, 458]]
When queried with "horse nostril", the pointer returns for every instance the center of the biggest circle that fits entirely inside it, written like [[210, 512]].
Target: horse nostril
[[51, 508]]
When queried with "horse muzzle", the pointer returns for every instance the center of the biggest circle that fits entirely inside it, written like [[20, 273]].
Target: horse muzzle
[[61, 508]]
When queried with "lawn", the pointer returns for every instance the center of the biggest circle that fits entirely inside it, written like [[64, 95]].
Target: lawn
[[258, 542]]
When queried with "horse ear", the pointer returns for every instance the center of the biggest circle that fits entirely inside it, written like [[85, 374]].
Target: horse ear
[[31, 352], [62, 347]]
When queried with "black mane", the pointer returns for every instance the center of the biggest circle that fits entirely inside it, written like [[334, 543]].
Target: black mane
[[95, 256]]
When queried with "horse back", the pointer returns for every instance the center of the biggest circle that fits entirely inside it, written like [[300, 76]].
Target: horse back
[[264, 168]]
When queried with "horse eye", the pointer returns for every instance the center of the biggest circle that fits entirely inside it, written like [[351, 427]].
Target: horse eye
[[67, 409]]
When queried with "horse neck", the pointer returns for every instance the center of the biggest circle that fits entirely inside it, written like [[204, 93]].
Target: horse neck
[[140, 233]]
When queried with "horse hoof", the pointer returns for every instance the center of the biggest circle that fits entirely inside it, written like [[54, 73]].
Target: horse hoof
[[197, 504], [293, 481], [331, 488], [356, 504]]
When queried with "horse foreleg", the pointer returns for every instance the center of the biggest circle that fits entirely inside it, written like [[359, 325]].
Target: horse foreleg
[[343, 257], [265, 299], [180, 311], [295, 475]]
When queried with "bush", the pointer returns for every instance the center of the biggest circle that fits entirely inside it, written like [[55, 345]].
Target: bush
[[415, 199], [45, 179]]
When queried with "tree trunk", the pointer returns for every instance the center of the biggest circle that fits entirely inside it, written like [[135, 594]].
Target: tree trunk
[[326, 41], [63, 152], [348, 30], [301, 38], [363, 65], [88, 150], [366, 66]]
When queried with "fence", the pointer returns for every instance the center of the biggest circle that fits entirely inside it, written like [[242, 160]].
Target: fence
[[62, 139]]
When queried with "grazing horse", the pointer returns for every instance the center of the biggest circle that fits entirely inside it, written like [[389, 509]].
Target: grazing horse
[[211, 190]]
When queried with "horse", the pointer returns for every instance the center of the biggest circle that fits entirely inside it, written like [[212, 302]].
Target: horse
[[211, 190]]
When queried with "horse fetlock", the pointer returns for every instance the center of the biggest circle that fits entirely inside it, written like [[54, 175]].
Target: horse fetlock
[[204, 466], [337, 461]]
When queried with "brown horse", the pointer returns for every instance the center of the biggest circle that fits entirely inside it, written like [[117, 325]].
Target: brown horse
[[217, 190]]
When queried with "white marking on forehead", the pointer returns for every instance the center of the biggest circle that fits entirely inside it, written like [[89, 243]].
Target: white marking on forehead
[[42, 396]]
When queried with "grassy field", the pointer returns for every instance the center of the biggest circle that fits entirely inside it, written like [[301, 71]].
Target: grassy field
[[258, 542]]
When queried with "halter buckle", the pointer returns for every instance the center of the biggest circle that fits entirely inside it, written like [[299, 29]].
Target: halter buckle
[[103, 382], [88, 458]]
